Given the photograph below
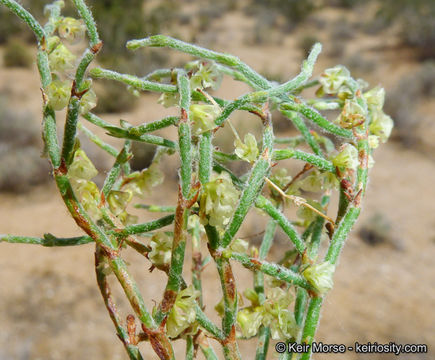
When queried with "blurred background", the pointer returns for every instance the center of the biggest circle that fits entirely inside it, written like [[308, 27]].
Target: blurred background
[[384, 290]]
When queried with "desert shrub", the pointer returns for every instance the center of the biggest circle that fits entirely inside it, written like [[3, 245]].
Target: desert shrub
[[21, 165], [342, 30], [212, 203], [403, 102], [16, 54], [416, 21], [344, 3], [295, 11], [359, 64]]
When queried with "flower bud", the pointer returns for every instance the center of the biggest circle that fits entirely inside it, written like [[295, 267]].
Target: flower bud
[[183, 313], [218, 201], [248, 150], [381, 125], [72, 30], [203, 117], [58, 93], [61, 59], [347, 158], [161, 245], [320, 276], [82, 167]]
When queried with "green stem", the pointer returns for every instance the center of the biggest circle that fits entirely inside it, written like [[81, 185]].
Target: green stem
[[86, 15], [48, 240], [144, 85], [271, 269], [97, 141], [282, 221], [205, 157], [184, 135], [145, 227], [207, 324], [225, 59], [317, 161], [28, 18], [131, 349]]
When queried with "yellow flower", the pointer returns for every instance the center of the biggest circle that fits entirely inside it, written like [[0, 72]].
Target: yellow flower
[[58, 93], [161, 245], [248, 150], [140, 183], [118, 201], [249, 321], [88, 101], [183, 313], [320, 276], [82, 167], [381, 125], [72, 30], [203, 117], [347, 158], [218, 201], [61, 59], [206, 75]]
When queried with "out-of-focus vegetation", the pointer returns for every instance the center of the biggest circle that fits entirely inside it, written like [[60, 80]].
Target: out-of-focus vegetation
[[21, 165], [403, 103], [17, 54], [416, 20]]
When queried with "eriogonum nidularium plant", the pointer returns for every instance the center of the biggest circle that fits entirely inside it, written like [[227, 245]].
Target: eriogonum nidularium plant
[[285, 299]]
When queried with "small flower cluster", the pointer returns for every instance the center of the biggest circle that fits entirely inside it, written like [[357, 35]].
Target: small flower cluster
[[203, 75], [62, 62], [273, 313], [218, 201]]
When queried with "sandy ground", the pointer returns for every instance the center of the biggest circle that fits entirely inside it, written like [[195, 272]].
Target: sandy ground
[[50, 307]]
